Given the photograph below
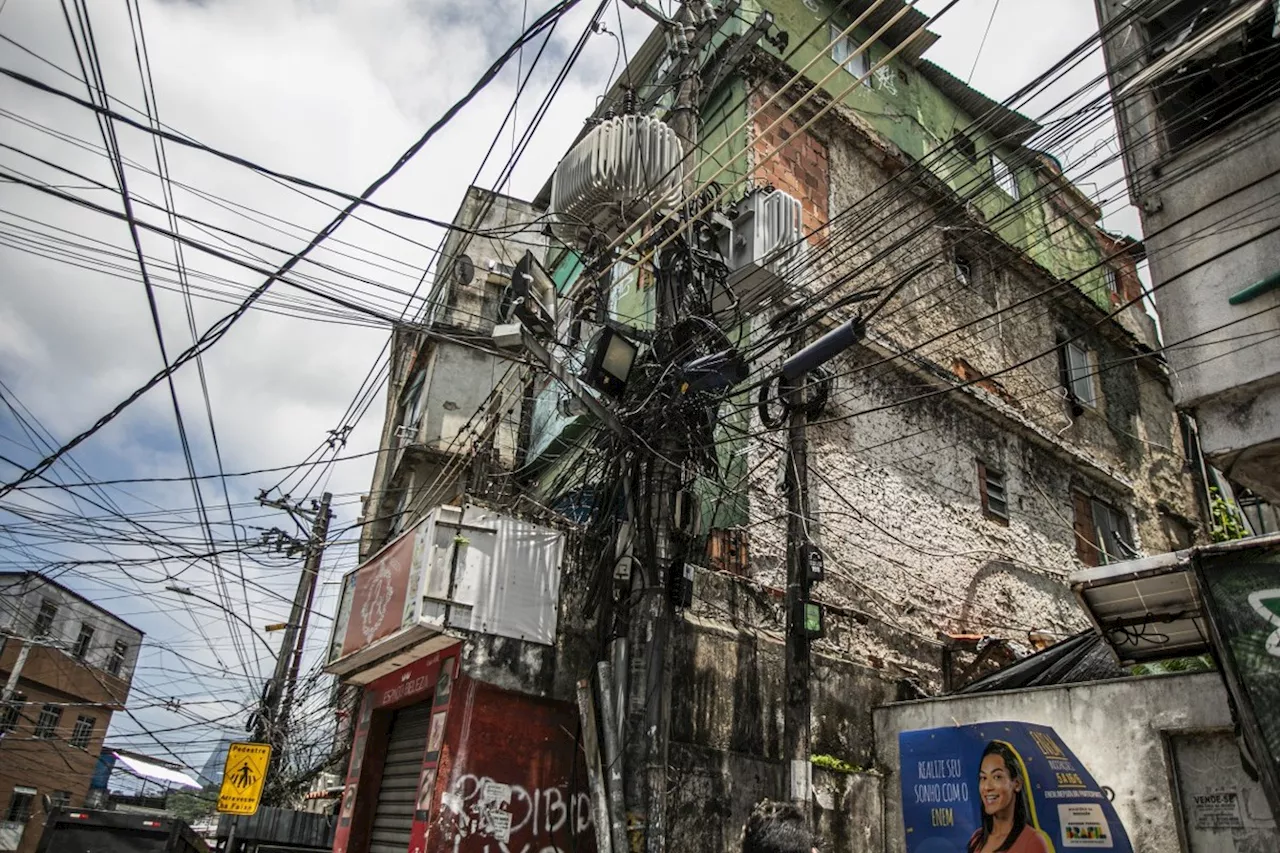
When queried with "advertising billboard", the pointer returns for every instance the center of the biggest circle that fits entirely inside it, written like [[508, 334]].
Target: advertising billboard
[[1241, 590], [1017, 785]]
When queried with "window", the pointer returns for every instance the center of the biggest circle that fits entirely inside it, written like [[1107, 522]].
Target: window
[[847, 52], [1006, 179], [115, 660], [84, 640], [1102, 532], [400, 515], [965, 147], [1112, 279], [1077, 375], [991, 490], [411, 406], [10, 713], [20, 803], [47, 722], [82, 732], [963, 269], [1227, 78], [59, 799], [44, 619]]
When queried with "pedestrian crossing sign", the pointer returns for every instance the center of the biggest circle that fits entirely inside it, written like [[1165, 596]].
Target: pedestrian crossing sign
[[242, 778]]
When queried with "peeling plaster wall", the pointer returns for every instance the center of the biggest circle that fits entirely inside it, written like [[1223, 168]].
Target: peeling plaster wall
[[726, 735], [894, 479]]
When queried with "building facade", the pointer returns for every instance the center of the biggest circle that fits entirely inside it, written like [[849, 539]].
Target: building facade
[[69, 664], [1005, 420], [1193, 88]]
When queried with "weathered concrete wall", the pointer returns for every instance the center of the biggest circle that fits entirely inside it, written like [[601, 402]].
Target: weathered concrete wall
[[894, 456], [1197, 203], [421, 469], [726, 732], [1116, 728]]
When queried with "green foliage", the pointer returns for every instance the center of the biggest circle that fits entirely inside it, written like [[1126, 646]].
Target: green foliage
[[191, 807], [1200, 663], [830, 762], [1226, 522]]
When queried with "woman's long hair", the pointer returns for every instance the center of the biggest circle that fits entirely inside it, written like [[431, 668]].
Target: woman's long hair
[[1014, 768]]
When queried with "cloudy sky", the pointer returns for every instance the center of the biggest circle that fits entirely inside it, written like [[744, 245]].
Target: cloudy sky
[[333, 92]]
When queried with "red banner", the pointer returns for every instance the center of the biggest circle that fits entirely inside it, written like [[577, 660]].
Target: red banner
[[379, 595]]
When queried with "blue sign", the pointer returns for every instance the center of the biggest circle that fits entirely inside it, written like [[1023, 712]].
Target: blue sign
[[970, 788]]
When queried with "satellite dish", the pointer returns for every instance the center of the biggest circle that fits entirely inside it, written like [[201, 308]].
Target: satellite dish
[[464, 270]]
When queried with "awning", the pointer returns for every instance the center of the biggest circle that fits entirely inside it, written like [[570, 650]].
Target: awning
[[1147, 609], [156, 772]]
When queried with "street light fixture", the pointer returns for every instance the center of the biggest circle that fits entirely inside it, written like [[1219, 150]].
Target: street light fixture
[[609, 361], [187, 591]]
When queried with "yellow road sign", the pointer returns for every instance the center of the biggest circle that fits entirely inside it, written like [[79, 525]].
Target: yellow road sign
[[242, 778]]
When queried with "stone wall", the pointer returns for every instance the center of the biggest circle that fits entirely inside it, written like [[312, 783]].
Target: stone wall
[[726, 731], [896, 451]]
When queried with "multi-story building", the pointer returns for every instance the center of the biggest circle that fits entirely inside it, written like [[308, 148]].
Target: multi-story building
[[67, 665], [1193, 87], [1003, 421]]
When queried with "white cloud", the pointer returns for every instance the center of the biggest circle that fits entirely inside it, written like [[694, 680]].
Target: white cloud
[[330, 91]]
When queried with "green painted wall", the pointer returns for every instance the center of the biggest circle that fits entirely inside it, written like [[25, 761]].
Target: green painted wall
[[906, 109]]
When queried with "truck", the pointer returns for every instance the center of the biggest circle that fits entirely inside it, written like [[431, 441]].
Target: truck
[[95, 831]]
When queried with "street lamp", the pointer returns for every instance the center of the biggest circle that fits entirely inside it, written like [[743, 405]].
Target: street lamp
[[187, 591]]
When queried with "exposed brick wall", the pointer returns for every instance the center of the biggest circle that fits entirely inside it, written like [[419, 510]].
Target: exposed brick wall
[[800, 168], [48, 765]]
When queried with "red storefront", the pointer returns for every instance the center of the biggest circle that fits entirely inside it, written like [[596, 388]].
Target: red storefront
[[441, 761]]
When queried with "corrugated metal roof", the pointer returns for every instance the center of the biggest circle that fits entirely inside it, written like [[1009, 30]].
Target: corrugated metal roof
[[1084, 657], [902, 28], [1008, 125]]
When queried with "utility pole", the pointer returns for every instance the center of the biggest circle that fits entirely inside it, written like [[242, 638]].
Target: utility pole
[[796, 718], [11, 686], [273, 721], [310, 574], [15, 674], [652, 617]]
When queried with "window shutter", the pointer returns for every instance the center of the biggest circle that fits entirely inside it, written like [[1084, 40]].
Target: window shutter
[[1086, 550], [1064, 367], [982, 488]]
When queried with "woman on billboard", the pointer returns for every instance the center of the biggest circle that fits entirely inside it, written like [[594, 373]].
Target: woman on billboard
[[1004, 796]]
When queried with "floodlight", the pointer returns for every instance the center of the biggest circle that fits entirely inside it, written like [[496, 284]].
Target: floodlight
[[609, 360]]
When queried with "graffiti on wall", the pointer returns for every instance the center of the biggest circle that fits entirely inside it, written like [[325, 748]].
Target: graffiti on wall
[[491, 816]]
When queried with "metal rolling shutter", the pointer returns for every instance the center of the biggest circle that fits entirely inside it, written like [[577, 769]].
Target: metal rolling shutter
[[393, 819]]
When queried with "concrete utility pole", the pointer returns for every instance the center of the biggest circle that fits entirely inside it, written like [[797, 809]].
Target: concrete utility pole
[[15, 675], [273, 722], [796, 719], [11, 686]]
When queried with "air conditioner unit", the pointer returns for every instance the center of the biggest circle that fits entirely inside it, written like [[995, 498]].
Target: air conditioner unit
[[617, 172], [764, 247]]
